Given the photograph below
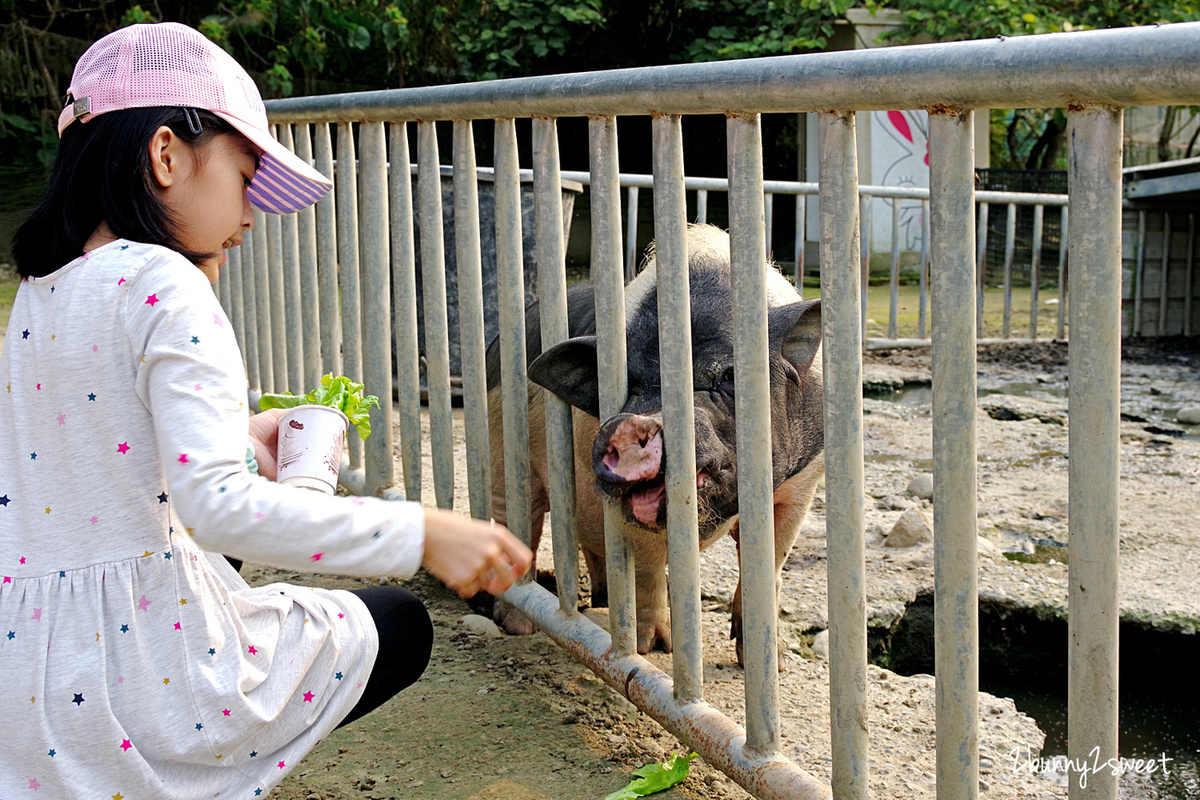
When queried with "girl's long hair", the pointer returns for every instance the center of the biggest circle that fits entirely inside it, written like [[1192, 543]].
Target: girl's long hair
[[102, 173]]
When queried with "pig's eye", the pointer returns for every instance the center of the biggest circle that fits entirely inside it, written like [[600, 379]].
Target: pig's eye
[[726, 385]]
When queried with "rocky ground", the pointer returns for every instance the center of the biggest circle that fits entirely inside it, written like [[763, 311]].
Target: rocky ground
[[514, 717]]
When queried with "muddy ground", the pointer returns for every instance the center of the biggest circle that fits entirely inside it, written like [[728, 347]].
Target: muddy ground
[[516, 718]]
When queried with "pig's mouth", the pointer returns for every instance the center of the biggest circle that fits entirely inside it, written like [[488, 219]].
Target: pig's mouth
[[645, 502]]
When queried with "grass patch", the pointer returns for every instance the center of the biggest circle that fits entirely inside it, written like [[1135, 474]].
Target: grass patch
[[1042, 554]]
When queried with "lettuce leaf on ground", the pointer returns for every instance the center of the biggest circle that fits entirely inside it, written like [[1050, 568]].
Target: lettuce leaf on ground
[[341, 393], [654, 778]]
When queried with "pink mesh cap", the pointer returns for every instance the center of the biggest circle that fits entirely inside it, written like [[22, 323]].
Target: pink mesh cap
[[169, 64]]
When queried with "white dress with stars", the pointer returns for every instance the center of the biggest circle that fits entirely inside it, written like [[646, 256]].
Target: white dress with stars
[[137, 663]]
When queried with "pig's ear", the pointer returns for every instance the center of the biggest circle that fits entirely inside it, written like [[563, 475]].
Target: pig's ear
[[797, 329], [569, 370]]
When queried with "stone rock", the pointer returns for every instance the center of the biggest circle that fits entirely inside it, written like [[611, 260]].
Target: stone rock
[[912, 529], [820, 644], [921, 486], [481, 626], [986, 548], [1189, 415]]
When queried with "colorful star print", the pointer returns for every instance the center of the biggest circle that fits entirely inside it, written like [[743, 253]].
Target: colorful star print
[[195, 340], [62, 419], [316, 556], [25, 333], [226, 712], [12, 635], [199, 726], [33, 784], [123, 448], [217, 320], [37, 615], [252, 650], [183, 459], [91, 398], [162, 498], [4, 500], [126, 744], [152, 299], [78, 701], [143, 603], [124, 629], [308, 697]]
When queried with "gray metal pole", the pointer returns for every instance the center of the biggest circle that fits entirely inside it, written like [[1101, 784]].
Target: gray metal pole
[[297, 325], [1063, 273], [346, 186], [631, 229], [279, 310], [956, 590], [841, 290], [1035, 264], [404, 307], [249, 311], [1164, 274], [262, 291], [701, 205], [236, 310], [980, 265], [607, 275], [752, 393], [376, 302], [1187, 290], [800, 241], [327, 261], [1095, 413], [1010, 242], [867, 205], [552, 300], [678, 409], [471, 337], [310, 308], [923, 280], [894, 274], [433, 294], [1139, 276], [510, 285]]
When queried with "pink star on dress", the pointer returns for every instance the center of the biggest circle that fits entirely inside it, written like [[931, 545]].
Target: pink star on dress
[[143, 603], [37, 615], [177, 626], [94, 520], [152, 299], [121, 281], [198, 387], [126, 744], [226, 712], [251, 650], [22, 559], [282, 764], [183, 458], [217, 320], [316, 556], [123, 448], [95, 348], [62, 419], [308, 697], [341, 615], [33, 784], [6, 579]]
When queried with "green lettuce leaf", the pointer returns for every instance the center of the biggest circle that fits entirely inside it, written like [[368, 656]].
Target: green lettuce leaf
[[654, 778], [341, 393]]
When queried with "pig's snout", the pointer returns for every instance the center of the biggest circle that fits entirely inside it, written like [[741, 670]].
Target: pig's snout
[[628, 448]]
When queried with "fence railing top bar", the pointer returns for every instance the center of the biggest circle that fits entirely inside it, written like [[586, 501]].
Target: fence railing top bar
[[1151, 65]]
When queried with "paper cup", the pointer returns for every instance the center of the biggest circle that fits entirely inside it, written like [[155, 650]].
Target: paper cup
[[309, 451]]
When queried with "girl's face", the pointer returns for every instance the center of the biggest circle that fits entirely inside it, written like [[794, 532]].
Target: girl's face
[[205, 188]]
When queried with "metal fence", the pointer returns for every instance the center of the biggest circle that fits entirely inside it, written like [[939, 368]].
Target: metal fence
[[336, 263]]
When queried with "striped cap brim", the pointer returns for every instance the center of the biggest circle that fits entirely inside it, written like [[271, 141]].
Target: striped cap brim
[[284, 183]]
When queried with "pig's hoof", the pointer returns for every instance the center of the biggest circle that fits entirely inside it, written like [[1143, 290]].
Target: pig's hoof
[[735, 633], [511, 620], [653, 636]]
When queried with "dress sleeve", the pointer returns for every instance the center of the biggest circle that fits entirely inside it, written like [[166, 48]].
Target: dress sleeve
[[190, 376]]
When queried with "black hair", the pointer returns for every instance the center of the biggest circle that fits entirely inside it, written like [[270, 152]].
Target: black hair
[[102, 173]]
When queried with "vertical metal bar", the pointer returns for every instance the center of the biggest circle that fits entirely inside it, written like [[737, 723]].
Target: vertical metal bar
[[1188, 288], [510, 286], [631, 229], [768, 223], [290, 265], [1063, 278], [864, 280], [956, 589], [841, 271], [222, 289], [607, 274], [552, 297], [678, 409], [279, 315], [237, 297], [800, 223], [923, 292], [327, 261], [346, 186], [470, 318], [1094, 362], [1164, 274], [250, 311], [404, 303], [1010, 243], [981, 238], [1139, 276], [1035, 264], [262, 285], [702, 205], [433, 295], [752, 392], [376, 306], [310, 309], [894, 276]]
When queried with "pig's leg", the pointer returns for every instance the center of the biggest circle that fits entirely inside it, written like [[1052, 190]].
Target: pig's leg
[[653, 612], [791, 503], [505, 614], [597, 566]]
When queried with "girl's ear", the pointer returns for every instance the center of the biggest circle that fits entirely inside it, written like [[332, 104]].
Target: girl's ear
[[166, 151]]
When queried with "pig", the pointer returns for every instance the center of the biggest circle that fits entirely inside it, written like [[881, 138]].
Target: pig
[[619, 461]]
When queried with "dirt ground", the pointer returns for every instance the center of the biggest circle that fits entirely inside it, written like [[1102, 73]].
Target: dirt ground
[[515, 718]]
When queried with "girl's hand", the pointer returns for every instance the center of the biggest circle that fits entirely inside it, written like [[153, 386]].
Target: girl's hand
[[264, 433], [471, 556]]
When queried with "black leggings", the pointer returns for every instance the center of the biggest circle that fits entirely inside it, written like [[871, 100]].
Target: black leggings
[[405, 642]]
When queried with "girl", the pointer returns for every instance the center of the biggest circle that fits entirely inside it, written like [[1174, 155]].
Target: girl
[[137, 662]]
